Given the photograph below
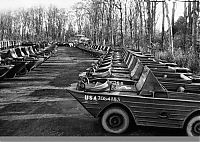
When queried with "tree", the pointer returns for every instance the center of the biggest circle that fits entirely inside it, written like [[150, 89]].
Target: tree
[[173, 13], [194, 28], [163, 25], [171, 42]]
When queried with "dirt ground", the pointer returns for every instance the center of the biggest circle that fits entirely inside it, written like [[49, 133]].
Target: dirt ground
[[38, 104]]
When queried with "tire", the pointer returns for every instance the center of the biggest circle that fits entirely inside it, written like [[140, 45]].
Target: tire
[[115, 120], [193, 126]]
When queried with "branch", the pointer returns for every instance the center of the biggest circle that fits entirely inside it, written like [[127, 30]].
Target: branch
[[118, 6]]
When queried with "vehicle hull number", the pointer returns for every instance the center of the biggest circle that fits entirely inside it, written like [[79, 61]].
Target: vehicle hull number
[[101, 98]]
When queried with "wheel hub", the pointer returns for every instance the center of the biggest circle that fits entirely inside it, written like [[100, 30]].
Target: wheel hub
[[196, 128], [115, 121]]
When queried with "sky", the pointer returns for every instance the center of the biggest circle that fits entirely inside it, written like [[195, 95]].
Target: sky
[[16, 4], [179, 11]]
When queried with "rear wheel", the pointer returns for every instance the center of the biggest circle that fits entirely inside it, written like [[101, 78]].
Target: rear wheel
[[115, 120], [193, 126]]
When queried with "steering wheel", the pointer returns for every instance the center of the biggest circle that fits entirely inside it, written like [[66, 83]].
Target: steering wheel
[[80, 86], [90, 72], [85, 80], [113, 85]]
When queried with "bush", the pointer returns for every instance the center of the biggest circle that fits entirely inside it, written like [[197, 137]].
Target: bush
[[181, 58], [164, 55], [193, 62]]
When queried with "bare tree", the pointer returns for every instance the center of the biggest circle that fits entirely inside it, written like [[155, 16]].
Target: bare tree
[[163, 25], [169, 30]]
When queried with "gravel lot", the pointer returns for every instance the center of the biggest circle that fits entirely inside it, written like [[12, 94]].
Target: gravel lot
[[38, 104]]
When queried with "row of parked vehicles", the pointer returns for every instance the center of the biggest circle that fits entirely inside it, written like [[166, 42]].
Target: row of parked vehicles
[[11, 44], [23, 58], [95, 50], [127, 87]]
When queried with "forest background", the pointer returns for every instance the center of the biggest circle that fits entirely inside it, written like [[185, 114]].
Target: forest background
[[169, 29]]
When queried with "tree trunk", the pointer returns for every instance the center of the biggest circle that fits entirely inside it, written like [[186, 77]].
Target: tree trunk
[[131, 26], [102, 25], [170, 31], [149, 23], [185, 30], [194, 28], [121, 24], [173, 13], [190, 22], [141, 23], [111, 23], [125, 17], [163, 25]]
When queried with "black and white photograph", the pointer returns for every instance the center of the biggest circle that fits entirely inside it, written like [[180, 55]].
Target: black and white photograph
[[100, 68]]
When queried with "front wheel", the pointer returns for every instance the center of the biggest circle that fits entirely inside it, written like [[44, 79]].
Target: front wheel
[[115, 120], [193, 126]]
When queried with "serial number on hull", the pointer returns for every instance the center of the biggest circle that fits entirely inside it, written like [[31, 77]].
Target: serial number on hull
[[101, 98]]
